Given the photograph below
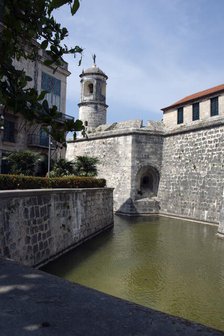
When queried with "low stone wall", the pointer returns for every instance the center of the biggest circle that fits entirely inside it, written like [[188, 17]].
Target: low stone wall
[[38, 225]]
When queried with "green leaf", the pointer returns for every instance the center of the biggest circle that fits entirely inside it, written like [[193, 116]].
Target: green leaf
[[48, 62], [57, 3], [77, 49], [28, 78], [44, 44], [42, 95], [45, 105], [75, 7], [78, 125]]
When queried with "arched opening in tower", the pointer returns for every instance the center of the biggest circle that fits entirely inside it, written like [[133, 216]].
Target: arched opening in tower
[[90, 86], [88, 89]]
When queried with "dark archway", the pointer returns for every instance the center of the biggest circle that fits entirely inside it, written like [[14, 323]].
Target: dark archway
[[147, 182]]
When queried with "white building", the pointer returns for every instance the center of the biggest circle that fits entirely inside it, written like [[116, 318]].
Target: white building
[[18, 134]]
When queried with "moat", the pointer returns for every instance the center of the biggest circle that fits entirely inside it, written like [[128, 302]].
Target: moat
[[167, 264]]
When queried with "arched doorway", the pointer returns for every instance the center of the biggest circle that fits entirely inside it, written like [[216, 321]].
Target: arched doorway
[[147, 182]]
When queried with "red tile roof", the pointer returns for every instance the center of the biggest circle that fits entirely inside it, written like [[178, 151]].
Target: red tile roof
[[196, 96]]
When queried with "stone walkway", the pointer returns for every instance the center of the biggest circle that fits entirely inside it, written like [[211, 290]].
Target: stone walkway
[[33, 303]]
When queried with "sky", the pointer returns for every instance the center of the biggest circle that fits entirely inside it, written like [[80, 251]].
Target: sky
[[154, 52]]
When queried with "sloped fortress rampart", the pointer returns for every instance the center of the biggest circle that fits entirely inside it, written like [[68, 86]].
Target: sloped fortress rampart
[[174, 167]]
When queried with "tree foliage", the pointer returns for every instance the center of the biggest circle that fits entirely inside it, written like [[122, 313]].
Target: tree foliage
[[62, 168], [82, 166], [86, 166], [24, 23], [23, 162]]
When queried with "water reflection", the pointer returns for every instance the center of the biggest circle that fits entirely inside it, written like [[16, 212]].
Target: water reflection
[[167, 264]]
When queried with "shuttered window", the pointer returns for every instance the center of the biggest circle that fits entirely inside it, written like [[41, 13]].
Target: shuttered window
[[180, 115], [195, 111], [9, 131], [214, 106]]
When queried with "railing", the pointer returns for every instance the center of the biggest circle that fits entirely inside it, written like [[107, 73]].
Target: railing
[[35, 140], [63, 117]]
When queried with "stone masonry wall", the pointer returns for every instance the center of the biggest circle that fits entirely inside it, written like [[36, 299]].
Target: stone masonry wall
[[95, 114], [146, 151], [191, 183], [121, 154], [114, 154], [221, 221], [38, 225]]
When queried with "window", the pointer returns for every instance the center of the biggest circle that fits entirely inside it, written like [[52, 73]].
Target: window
[[90, 86], [44, 138], [195, 112], [214, 106], [9, 131], [5, 165], [180, 115], [53, 86]]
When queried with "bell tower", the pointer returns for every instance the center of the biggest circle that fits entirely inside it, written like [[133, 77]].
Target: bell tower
[[92, 106]]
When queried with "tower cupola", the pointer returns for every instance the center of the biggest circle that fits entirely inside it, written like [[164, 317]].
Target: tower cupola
[[92, 106]]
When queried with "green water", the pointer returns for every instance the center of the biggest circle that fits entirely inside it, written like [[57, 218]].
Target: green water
[[171, 265]]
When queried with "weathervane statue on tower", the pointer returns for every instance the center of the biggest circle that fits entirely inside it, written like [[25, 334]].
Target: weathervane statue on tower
[[94, 59]]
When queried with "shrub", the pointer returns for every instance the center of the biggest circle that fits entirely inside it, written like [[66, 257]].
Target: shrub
[[86, 166], [23, 162], [12, 182], [62, 168], [82, 166]]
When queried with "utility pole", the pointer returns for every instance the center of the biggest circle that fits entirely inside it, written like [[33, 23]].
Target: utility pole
[[49, 152]]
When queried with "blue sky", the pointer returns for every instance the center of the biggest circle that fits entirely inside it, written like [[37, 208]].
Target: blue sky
[[154, 52]]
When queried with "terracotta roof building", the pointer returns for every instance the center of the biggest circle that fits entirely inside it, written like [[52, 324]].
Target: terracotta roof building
[[196, 107]]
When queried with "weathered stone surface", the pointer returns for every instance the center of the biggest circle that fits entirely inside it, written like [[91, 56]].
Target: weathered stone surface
[[122, 153], [192, 176], [221, 222], [40, 224], [187, 162]]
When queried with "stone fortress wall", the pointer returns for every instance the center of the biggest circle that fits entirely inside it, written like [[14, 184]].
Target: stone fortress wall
[[192, 177], [115, 163], [174, 167], [36, 226], [124, 150], [187, 166]]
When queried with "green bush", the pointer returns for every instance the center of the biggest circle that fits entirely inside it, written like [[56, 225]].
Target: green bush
[[11, 182], [23, 162], [61, 168], [86, 166], [82, 166]]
